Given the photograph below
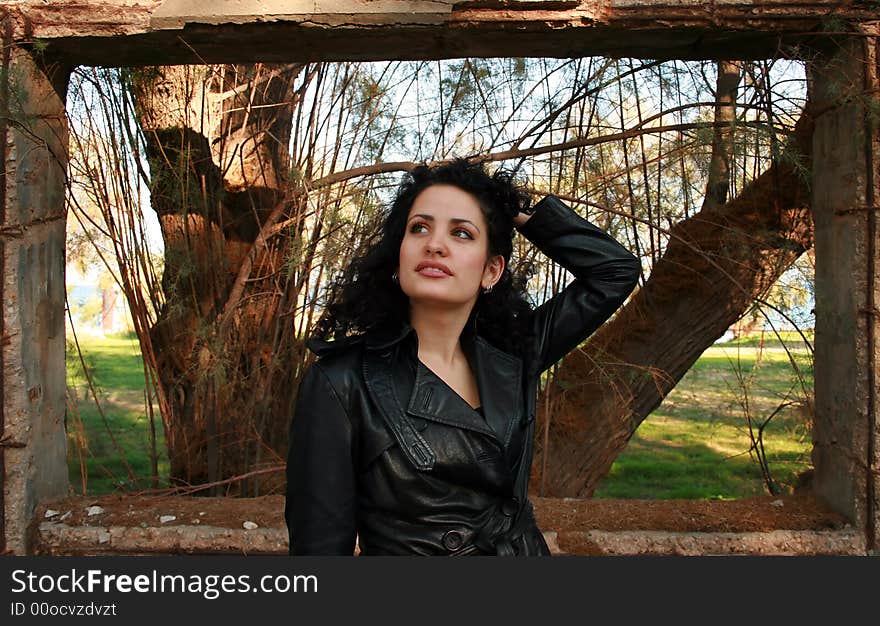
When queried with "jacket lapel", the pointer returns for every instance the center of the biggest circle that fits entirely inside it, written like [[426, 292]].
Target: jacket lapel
[[498, 378], [381, 385], [432, 399]]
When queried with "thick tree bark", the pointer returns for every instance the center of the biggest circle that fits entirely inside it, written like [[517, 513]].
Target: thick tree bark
[[716, 263], [217, 145]]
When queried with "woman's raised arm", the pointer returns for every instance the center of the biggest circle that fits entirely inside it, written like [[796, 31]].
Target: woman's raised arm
[[605, 273]]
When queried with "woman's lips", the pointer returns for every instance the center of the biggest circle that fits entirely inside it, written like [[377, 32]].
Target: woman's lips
[[433, 270]]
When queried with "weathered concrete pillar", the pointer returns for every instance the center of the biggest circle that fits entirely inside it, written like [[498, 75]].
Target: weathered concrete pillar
[[846, 182], [33, 143]]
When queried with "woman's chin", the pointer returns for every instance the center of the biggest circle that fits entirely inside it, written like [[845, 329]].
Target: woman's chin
[[438, 298]]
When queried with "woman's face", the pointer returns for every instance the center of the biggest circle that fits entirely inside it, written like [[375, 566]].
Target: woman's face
[[445, 248]]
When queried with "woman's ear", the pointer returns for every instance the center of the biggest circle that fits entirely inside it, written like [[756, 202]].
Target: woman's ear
[[494, 270]]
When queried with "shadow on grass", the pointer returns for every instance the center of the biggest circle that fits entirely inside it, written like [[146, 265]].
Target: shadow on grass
[[701, 459], [105, 470]]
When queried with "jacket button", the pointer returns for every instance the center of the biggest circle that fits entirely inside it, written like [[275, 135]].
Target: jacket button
[[510, 507], [452, 540]]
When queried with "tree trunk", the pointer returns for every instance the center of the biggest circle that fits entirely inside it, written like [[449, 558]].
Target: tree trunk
[[715, 265], [217, 146]]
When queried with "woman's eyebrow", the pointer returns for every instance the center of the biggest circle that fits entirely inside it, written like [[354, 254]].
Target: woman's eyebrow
[[454, 220]]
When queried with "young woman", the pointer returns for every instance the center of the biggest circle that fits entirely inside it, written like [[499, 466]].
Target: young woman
[[412, 432]]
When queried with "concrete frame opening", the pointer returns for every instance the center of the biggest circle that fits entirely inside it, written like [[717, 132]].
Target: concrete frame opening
[[42, 43]]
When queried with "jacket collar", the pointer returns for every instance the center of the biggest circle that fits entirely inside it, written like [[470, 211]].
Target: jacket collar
[[378, 339], [387, 336], [498, 375]]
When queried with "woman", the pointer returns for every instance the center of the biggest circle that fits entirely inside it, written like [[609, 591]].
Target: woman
[[412, 432]]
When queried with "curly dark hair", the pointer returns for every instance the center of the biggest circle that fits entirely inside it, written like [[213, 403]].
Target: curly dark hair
[[365, 297]]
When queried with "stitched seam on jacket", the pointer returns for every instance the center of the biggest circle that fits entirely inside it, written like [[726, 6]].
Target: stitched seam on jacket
[[501, 353], [518, 364], [336, 396], [413, 430]]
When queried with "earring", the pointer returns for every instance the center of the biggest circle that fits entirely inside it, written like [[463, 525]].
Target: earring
[[488, 289], [395, 278]]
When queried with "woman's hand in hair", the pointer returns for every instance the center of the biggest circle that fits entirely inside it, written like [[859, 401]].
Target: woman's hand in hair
[[521, 218]]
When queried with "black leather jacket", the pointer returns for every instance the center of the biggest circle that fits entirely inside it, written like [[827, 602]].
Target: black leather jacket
[[382, 450]]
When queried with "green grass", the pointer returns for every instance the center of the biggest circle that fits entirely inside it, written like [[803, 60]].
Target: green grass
[[695, 445], [114, 361], [116, 369]]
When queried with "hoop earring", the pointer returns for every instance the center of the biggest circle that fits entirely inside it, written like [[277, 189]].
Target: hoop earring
[[395, 278]]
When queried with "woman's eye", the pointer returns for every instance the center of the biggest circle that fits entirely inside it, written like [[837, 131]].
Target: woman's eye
[[418, 227], [461, 233]]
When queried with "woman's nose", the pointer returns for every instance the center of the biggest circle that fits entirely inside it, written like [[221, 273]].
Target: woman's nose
[[435, 245]]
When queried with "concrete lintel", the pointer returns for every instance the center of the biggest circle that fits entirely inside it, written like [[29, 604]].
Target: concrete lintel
[[152, 32], [176, 14]]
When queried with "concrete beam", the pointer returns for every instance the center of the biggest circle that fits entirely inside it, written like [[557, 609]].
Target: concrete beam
[[846, 200], [33, 134], [132, 32]]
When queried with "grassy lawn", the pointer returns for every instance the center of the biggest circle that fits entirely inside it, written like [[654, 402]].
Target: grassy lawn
[[117, 373], [695, 445]]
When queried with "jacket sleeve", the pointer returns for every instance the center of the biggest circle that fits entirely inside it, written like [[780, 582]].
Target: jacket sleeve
[[320, 504], [605, 273]]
